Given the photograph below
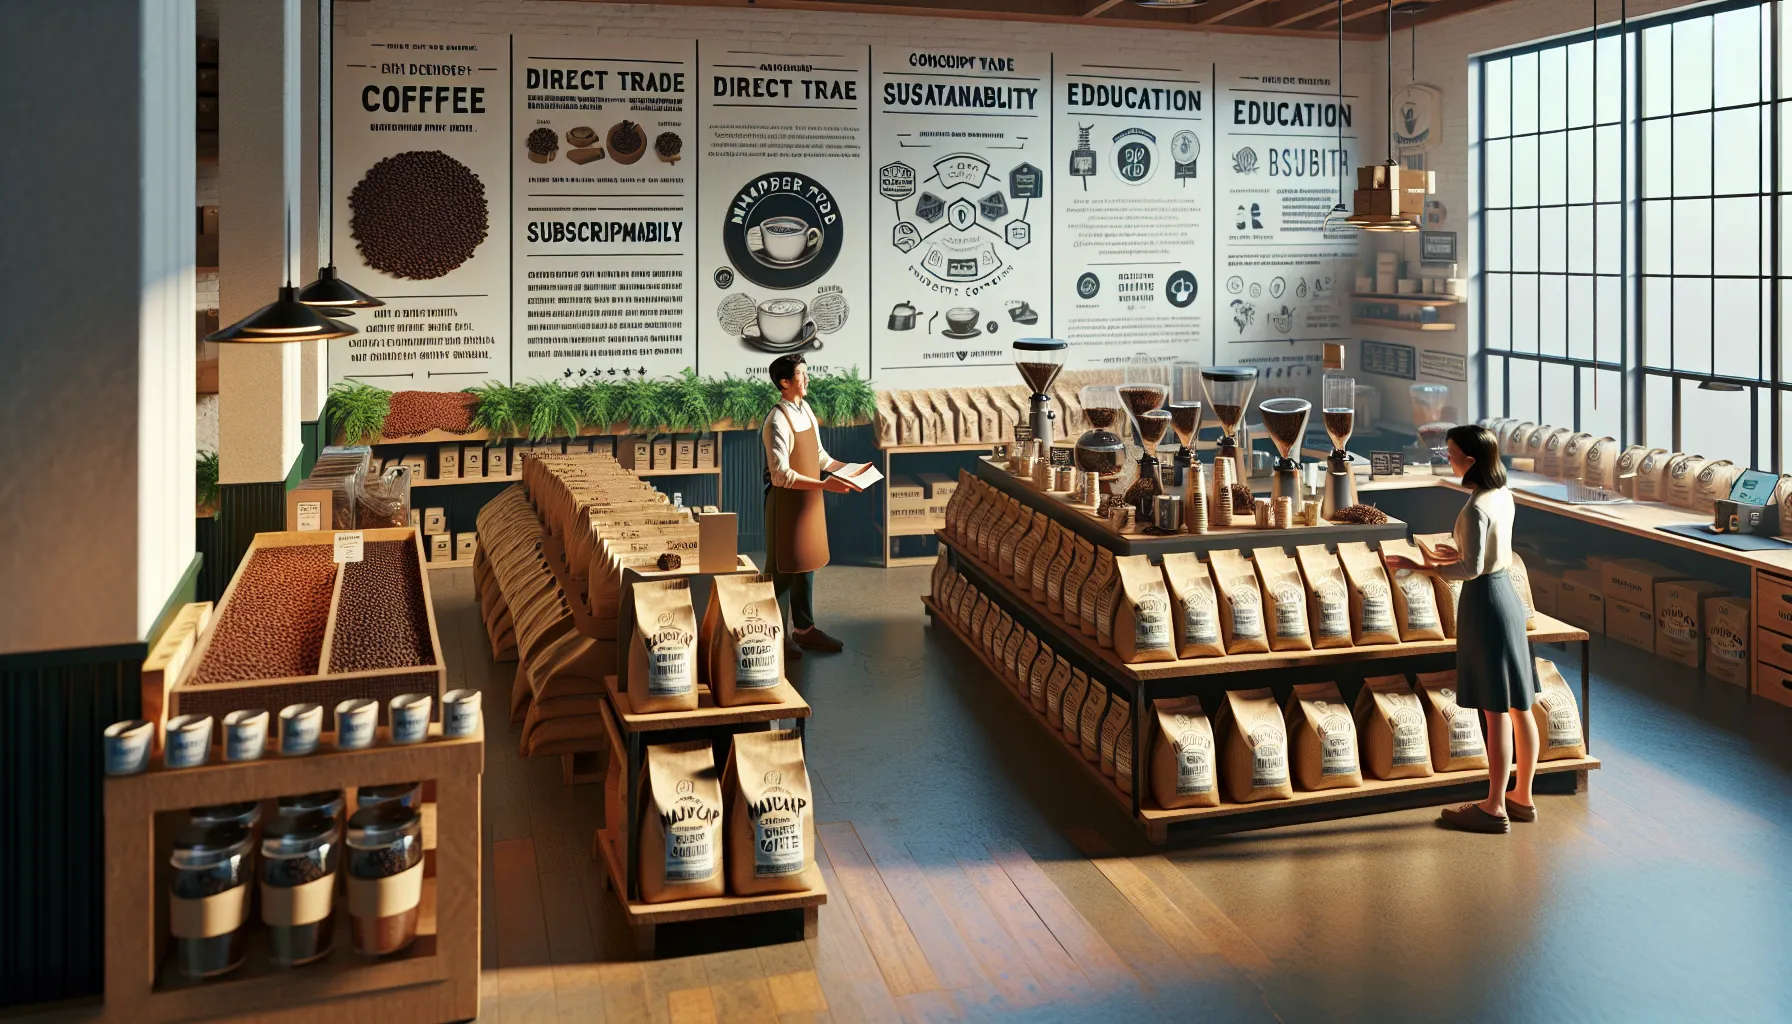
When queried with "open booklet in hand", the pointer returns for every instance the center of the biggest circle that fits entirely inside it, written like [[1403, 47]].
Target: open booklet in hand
[[861, 476]]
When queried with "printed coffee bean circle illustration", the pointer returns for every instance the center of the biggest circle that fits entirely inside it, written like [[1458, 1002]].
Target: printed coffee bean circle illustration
[[543, 141], [418, 215]]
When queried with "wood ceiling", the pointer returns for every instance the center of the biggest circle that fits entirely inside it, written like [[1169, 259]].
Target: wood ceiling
[[1363, 19]]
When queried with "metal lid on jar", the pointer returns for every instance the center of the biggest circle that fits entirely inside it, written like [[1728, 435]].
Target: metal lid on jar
[[329, 800], [404, 792], [1229, 373], [207, 845], [291, 834], [379, 826], [244, 813], [1041, 345]]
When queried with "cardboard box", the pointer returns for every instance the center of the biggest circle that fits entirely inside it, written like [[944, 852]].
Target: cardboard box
[[1680, 619], [435, 521], [706, 452], [662, 455], [1726, 639], [684, 454], [1632, 581], [1546, 582], [939, 486], [418, 465], [448, 462], [634, 453], [472, 461], [465, 544], [441, 548], [308, 509], [718, 542], [907, 489], [416, 519], [1630, 623], [1580, 600]]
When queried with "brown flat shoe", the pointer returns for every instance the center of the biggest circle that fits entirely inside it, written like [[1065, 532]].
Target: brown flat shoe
[[1521, 812], [1471, 818], [815, 639], [791, 651]]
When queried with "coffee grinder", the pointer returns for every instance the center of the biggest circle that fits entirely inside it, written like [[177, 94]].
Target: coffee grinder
[[1285, 421], [1338, 405], [1228, 395], [1185, 414], [1039, 361]]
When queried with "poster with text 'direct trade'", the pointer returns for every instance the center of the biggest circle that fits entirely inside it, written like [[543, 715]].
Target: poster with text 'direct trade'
[[1286, 143], [961, 236], [422, 216], [1132, 230], [783, 208], [604, 194]]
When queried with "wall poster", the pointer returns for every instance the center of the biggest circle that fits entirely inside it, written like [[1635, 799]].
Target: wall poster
[[421, 220], [783, 208], [603, 191], [961, 235], [1132, 227], [1284, 280]]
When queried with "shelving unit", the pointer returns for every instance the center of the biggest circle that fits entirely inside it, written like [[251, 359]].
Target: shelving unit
[[1403, 325], [887, 458], [1411, 300]]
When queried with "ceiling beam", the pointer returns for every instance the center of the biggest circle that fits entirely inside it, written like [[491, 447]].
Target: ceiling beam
[[1240, 8], [1102, 8], [1313, 10]]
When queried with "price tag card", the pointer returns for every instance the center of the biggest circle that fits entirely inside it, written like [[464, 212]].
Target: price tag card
[[348, 546], [1387, 464], [310, 515]]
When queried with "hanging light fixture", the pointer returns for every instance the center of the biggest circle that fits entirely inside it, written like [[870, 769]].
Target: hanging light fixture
[[329, 290], [1390, 197], [1339, 211], [286, 318]]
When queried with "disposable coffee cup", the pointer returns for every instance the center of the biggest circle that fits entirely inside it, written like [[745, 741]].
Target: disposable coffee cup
[[355, 722], [187, 743], [409, 715], [127, 746], [300, 725], [245, 735], [460, 713]]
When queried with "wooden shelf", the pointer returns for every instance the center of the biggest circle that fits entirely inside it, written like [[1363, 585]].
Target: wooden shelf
[[915, 530], [453, 481], [616, 430], [697, 910], [707, 715], [1410, 300], [458, 563], [703, 471], [1402, 325], [922, 449]]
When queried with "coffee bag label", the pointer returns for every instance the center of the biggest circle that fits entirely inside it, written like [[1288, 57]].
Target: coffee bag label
[[1247, 611], [1291, 618], [1564, 724], [1269, 757], [669, 663], [1411, 746], [690, 840], [777, 833], [1421, 600], [1465, 732], [1151, 620], [1334, 610], [1378, 608], [1337, 740], [1200, 621], [1194, 761]]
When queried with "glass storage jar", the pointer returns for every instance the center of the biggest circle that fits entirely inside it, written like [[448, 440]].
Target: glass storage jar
[[409, 794], [208, 898], [385, 877], [299, 853]]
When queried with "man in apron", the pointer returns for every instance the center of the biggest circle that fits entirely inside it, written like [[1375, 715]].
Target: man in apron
[[796, 527]]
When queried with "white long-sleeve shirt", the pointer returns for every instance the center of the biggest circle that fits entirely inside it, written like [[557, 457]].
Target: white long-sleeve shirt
[[779, 436], [1483, 536]]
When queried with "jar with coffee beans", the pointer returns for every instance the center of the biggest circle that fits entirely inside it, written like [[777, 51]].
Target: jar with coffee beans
[[385, 877], [208, 898], [299, 855]]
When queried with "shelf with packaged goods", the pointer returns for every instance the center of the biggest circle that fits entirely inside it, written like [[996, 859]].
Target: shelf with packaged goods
[[1410, 300], [889, 528], [483, 436], [1402, 325]]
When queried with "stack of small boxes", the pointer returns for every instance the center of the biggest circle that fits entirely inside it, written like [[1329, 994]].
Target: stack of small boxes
[[666, 454], [1388, 191], [1653, 608], [908, 505]]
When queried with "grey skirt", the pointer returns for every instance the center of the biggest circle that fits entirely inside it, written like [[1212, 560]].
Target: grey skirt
[[1494, 671]]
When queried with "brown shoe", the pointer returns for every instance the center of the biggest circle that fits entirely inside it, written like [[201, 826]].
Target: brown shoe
[[815, 639], [1471, 818], [791, 651], [1520, 812]]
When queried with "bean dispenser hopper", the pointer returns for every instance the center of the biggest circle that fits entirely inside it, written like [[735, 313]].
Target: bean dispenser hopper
[[1039, 361], [1285, 421], [1229, 395], [1338, 407], [1101, 452], [1186, 395]]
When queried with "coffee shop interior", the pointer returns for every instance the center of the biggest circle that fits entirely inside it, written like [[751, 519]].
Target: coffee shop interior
[[798, 510]]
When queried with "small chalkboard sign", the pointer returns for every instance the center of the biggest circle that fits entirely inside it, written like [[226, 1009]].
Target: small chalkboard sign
[[1023, 434], [1063, 455], [1387, 464], [1437, 246]]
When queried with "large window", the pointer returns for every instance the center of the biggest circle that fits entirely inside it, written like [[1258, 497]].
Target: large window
[[1629, 236]]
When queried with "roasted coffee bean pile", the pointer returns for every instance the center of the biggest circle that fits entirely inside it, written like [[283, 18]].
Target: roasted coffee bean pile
[[1243, 501], [414, 412], [627, 137], [274, 625], [385, 863], [1366, 514], [381, 621], [669, 561], [418, 215], [668, 144], [543, 141], [195, 885], [287, 872]]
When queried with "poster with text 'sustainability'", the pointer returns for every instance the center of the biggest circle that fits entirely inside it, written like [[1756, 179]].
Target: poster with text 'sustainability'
[[961, 234], [421, 218], [604, 194]]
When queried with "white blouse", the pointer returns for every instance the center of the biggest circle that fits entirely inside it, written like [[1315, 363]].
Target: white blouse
[[1483, 536]]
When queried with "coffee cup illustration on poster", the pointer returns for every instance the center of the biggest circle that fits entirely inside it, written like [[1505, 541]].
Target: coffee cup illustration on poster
[[961, 223], [783, 208], [604, 199], [1132, 220], [420, 217], [1284, 283]]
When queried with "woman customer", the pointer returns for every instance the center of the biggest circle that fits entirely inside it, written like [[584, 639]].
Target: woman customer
[[1494, 671]]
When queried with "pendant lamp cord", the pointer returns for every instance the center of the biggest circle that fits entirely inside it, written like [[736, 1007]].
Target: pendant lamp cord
[[1390, 81], [1595, 243], [1340, 111], [327, 44]]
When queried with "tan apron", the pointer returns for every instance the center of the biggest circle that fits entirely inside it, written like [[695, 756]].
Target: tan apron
[[796, 521]]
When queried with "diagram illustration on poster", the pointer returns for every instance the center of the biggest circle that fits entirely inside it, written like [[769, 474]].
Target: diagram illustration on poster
[[783, 208], [962, 246]]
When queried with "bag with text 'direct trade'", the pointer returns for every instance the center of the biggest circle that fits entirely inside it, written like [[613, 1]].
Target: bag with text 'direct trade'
[[1371, 596], [1142, 620], [1284, 600], [1182, 755], [680, 848], [1391, 728], [1455, 731], [1240, 601], [1328, 596], [1194, 606], [662, 652], [744, 631], [1253, 747], [1415, 595], [1558, 716], [1322, 738], [771, 818]]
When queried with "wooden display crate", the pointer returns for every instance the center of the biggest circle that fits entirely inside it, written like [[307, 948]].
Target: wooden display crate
[[435, 979], [324, 687]]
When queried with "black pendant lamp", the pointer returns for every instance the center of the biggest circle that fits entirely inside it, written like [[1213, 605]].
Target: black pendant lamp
[[1391, 188], [286, 318], [338, 296], [1339, 211]]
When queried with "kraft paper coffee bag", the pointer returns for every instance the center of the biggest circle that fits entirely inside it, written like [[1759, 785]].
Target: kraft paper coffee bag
[[1182, 755], [1284, 600], [1241, 602], [1142, 621], [1521, 583], [1105, 604], [1600, 466], [745, 644], [1574, 455], [1683, 480], [1027, 550], [1715, 480], [771, 816], [1055, 573], [1448, 594], [1253, 747], [1055, 537], [1100, 578], [1391, 727], [1057, 674], [1455, 731], [1414, 593], [662, 652], [1082, 567], [1652, 474], [680, 851], [1020, 666], [1328, 596], [1194, 606], [885, 421], [1558, 716], [1076, 694], [1371, 596], [1095, 705], [1322, 738], [1117, 723]]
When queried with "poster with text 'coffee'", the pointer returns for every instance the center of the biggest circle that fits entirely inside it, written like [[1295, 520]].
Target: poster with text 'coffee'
[[1133, 167], [961, 236], [421, 216], [603, 194], [783, 208], [1284, 280]]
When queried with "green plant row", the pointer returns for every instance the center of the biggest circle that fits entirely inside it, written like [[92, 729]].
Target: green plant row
[[682, 404]]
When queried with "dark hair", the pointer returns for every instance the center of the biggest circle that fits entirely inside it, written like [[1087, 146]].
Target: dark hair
[[1478, 443], [783, 368]]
